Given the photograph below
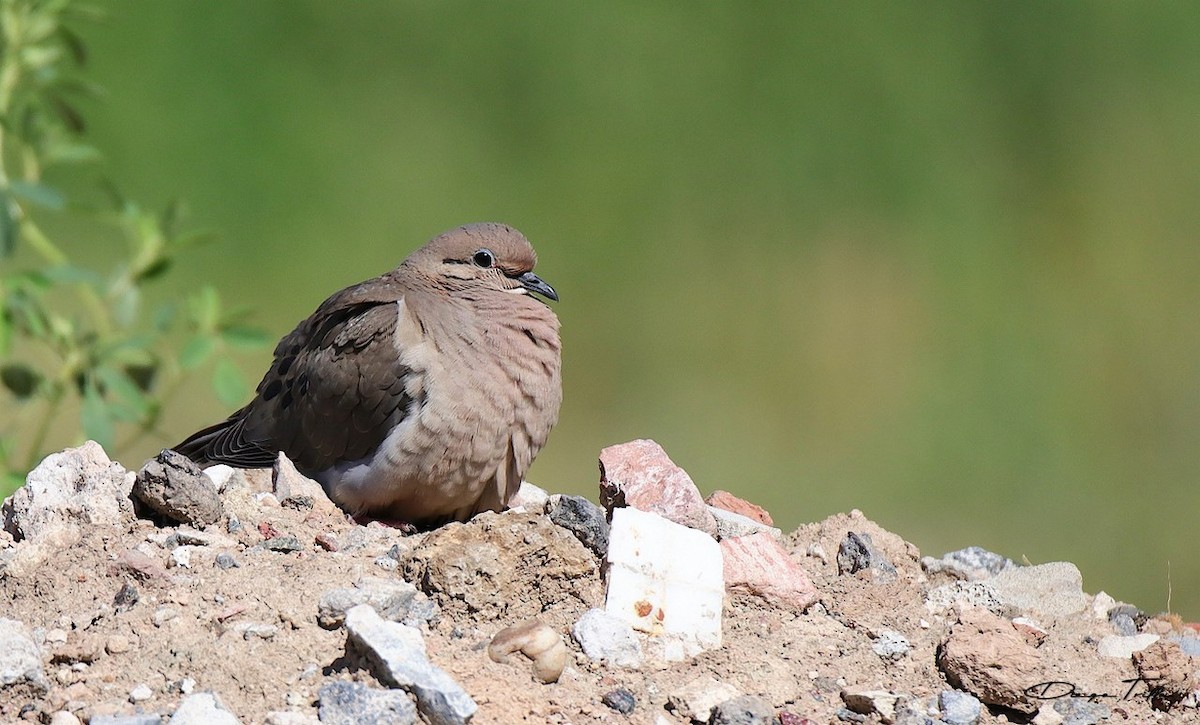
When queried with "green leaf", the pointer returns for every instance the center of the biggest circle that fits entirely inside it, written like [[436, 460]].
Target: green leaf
[[71, 274], [156, 269], [38, 194], [126, 401], [206, 309], [195, 238], [6, 326], [228, 383], [96, 418], [142, 375], [196, 350], [245, 337], [68, 152], [20, 379], [10, 226], [126, 304], [164, 315]]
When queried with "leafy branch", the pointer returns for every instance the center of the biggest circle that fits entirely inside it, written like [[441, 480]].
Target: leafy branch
[[74, 339]]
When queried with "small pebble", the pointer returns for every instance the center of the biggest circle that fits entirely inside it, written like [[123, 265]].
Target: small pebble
[[621, 700], [326, 541], [387, 563], [125, 598], [745, 710], [849, 716], [1078, 711], [283, 544], [117, 644], [226, 561], [163, 614], [234, 524], [890, 645], [959, 708], [141, 693]]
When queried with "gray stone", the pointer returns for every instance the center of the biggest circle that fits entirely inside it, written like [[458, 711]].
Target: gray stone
[[282, 545], [976, 594], [745, 710], [731, 525], [857, 553], [973, 563], [1124, 624], [582, 518], [1189, 645], [226, 561], [1115, 645], [78, 487], [891, 645], [148, 719], [398, 653], [620, 699], [959, 708], [607, 638], [351, 703], [175, 487], [20, 658], [391, 599], [1079, 711], [1053, 590], [203, 708]]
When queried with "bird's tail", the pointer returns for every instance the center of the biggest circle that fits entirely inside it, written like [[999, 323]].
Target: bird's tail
[[226, 443]]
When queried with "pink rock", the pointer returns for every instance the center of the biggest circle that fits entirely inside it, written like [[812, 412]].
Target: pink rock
[[759, 564], [639, 474], [729, 502]]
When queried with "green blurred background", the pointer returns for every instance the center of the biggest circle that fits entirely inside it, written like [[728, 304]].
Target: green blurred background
[[936, 261]]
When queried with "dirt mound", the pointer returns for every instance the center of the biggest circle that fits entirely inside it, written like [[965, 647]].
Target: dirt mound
[[111, 610]]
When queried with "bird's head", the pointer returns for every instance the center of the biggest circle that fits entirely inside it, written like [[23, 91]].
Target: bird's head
[[495, 255]]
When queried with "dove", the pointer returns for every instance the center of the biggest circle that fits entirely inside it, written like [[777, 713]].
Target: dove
[[421, 395]]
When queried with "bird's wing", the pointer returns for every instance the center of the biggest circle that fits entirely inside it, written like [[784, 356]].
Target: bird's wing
[[334, 391]]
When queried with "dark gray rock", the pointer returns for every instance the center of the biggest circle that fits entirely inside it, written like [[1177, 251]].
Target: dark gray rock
[[620, 699], [745, 710], [175, 487], [226, 561], [126, 597], [857, 553], [582, 518], [397, 652], [351, 703], [1079, 711]]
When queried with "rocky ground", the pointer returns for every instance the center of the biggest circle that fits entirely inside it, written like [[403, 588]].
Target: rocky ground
[[248, 597]]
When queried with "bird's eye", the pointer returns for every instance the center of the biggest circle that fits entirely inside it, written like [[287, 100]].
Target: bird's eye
[[484, 258]]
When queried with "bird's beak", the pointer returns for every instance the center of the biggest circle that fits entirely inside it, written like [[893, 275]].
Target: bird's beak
[[533, 283]]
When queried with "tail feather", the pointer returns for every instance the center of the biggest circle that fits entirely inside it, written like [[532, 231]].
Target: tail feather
[[226, 443]]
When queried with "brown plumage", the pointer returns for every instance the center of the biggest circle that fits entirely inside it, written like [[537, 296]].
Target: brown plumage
[[422, 394]]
